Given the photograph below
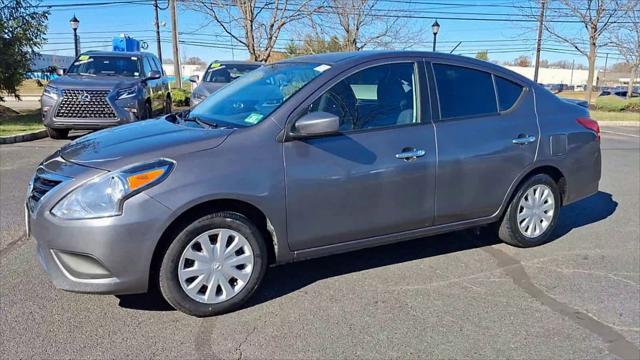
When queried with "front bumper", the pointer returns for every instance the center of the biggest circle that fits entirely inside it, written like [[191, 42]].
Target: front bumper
[[109, 255], [126, 111]]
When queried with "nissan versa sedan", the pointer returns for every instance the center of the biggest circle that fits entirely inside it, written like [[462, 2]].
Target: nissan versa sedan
[[303, 158]]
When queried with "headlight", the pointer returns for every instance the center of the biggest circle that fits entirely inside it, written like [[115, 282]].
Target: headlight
[[51, 91], [127, 93], [105, 195]]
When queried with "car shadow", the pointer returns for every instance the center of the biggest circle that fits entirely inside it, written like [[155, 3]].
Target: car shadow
[[282, 280]]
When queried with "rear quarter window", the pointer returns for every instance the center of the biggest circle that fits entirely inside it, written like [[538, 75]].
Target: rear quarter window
[[464, 92], [508, 93]]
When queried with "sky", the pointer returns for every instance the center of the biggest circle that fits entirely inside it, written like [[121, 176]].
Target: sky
[[505, 40]]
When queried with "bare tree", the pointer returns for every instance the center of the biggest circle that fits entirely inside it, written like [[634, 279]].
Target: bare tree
[[627, 41], [255, 25], [364, 24], [596, 17]]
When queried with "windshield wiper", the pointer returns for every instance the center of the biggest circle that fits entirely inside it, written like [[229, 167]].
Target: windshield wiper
[[87, 74], [184, 117], [203, 123]]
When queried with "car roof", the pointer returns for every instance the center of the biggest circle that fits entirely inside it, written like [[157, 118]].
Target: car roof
[[340, 59], [116, 53]]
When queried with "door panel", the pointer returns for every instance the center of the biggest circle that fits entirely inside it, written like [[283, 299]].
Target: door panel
[[477, 158], [350, 187]]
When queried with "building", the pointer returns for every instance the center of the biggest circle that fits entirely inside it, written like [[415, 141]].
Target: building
[[613, 79], [555, 76], [44, 61]]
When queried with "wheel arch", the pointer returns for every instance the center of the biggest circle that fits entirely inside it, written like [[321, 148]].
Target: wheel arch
[[196, 211], [552, 171]]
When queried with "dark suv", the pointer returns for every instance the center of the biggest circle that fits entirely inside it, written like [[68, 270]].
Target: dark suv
[[103, 89]]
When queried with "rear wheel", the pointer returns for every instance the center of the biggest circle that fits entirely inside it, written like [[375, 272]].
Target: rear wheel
[[532, 213], [58, 134], [214, 265]]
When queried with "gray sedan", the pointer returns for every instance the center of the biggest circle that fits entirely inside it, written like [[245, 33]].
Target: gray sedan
[[304, 158]]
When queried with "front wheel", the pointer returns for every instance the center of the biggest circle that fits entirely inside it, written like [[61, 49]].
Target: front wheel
[[214, 265], [532, 213], [57, 134], [147, 112], [167, 105]]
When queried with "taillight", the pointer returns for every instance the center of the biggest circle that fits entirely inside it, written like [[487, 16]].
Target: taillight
[[590, 124]]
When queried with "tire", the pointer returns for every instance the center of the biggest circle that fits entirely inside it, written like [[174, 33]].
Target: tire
[[179, 270], [58, 134], [538, 219], [167, 105], [147, 111]]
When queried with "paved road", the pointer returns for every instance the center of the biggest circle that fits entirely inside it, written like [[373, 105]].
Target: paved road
[[452, 296]]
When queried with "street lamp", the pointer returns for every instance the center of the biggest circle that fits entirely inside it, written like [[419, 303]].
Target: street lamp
[[435, 27], [74, 25]]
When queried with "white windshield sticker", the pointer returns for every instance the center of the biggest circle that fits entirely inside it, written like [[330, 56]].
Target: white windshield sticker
[[82, 62], [322, 68], [134, 58]]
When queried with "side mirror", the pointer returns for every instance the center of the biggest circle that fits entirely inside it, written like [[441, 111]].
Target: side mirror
[[194, 78], [154, 75], [316, 123], [59, 72]]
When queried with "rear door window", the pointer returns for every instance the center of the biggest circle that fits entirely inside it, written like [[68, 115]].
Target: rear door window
[[464, 92], [508, 93]]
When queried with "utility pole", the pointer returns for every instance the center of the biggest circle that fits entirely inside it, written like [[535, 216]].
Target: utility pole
[[543, 4], [573, 63], [604, 73], [174, 36], [155, 8]]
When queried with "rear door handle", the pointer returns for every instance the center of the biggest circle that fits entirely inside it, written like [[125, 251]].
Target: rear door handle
[[410, 154], [523, 140]]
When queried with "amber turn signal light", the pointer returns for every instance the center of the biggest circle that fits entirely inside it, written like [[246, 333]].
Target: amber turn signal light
[[139, 180]]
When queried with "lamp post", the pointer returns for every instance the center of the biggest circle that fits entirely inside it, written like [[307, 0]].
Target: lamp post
[[74, 25], [435, 27]]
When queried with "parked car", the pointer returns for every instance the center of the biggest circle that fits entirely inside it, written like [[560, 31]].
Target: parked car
[[103, 89], [578, 102], [219, 74], [620, 93], [303, 158]]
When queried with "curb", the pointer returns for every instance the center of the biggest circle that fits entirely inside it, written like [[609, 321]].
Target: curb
[[619, 123], [12, 139], [23, 98]]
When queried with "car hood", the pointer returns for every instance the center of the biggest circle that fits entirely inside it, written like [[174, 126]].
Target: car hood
[[209, 87], [114, 148], [93, 82]]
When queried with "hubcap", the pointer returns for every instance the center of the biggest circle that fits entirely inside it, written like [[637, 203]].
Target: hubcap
[[535, 211], [215, 266]]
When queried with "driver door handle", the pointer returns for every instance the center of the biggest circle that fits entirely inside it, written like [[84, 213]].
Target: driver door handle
[[523, 140], [410, 154]]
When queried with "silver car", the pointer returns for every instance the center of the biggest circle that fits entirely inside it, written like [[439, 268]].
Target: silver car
[[303, 158], [217, 75]]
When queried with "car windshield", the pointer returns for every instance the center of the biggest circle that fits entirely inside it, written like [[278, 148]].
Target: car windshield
[[225, 73], [105, 65], [250, 99]]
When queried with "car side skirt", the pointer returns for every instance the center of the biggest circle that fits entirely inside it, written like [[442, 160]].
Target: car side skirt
[[389, 239]]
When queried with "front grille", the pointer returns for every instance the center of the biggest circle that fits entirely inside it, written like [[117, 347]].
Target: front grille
[[85, 104], [43, 182]]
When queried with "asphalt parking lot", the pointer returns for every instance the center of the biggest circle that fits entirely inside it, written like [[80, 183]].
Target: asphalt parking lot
[[459, 295]]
